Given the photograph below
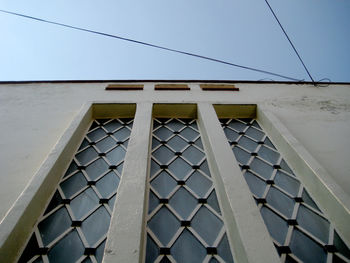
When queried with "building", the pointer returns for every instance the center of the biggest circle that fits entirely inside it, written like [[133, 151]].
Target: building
[[245, 171]]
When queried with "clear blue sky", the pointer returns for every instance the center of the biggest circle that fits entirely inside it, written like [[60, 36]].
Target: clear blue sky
[[238, 31]]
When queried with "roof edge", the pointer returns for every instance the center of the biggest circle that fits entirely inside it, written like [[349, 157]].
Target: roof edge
[[173, 81]]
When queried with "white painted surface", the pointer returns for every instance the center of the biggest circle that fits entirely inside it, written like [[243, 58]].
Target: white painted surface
[[245, 229], [34, 116], [125, 237]]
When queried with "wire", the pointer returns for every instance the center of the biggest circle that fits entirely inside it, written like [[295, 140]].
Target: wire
[[290, 41], [151, 45], [322, 83]]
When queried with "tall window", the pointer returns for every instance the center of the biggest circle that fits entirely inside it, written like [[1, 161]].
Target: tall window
[[74, 225], [299, 229], [184, 220]]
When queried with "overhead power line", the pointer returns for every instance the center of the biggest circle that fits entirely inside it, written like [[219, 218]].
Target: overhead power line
[[290, 41], [151, 45]]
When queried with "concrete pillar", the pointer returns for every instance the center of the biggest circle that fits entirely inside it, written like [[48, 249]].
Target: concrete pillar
[[126, 232], [245, 228]]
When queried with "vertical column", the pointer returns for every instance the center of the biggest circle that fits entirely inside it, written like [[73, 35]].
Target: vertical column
[[246, 230], [125, 235]]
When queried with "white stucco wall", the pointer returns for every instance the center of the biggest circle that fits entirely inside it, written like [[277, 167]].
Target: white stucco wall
[[34, 116]]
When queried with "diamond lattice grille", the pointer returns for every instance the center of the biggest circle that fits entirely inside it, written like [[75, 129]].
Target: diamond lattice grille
[[75, 224], [299, 230], [184, 219]]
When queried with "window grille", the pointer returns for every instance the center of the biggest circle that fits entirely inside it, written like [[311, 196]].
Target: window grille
[[74, 225], [299, 229], [184, 221]]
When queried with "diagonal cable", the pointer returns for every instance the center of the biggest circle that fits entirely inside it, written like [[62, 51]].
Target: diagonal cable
[[290, 41], [152, 45]]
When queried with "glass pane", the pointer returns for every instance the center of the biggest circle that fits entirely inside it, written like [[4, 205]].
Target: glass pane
[[213, 202], [154, 167], [96, 225], [93, 125], [288, 183], [179, 168], [188, 249], [189, 134], [97, 168], [163, 155], [116, 155], [73, 184], [155, 143], [54, 225], [231, 135], [177, 144], [111, 202], [276, 225], [84, 203], [313, 223], [96, 134], [120, 168], [163, 133], [193, 155], [280, 201], [224, 250], [84, 144], [164, 184], [55, 201], [126, 143], [199, 184], [122, 134], [285, 167], [306, 249], [153, 202], [199, 144], [268, 155], [86, 156], [307, 199], [261, 168], [68, 249], [183, 203], [108, 184], [256, 185], [112, 126], [152, 250], [105, 144], [340, 245], [242, 156], [269, 143], [175, 125], [72, 168], [30, 250], [204, 168], [99, 251], [164, 225], [247, 144], [207, 225], [256, 125], [255, 134], [236, 125]]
